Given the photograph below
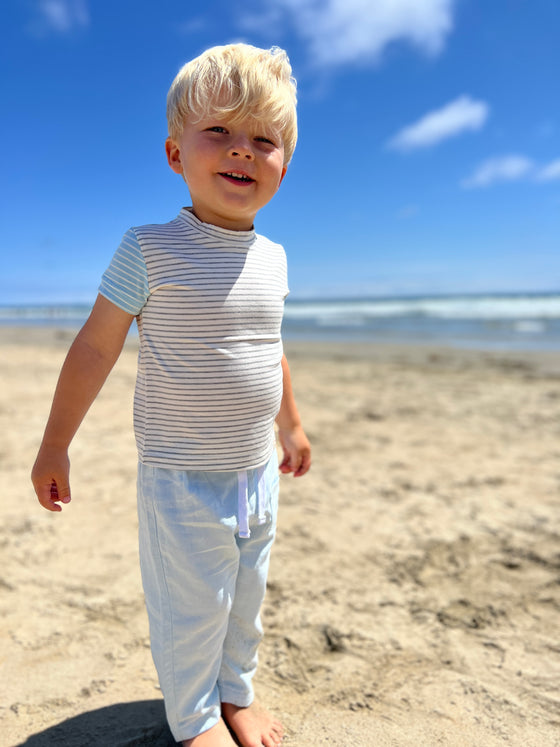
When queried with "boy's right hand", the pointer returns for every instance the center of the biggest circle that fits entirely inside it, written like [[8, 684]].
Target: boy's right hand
[[50, 477], [87, 365]]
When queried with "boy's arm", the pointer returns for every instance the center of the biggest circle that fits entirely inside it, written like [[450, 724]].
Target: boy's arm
[[88, 363], [294, 442]]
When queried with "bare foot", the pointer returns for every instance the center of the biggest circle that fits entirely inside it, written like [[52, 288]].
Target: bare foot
[[253, 726], [217, 736]]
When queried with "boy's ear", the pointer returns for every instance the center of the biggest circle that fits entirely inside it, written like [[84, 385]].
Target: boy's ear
[[173, 156], [284, 170]]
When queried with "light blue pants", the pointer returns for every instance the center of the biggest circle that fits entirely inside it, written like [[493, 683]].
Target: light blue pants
[[204, 584]]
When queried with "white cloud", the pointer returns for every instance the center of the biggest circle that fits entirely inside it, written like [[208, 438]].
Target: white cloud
[[549, 172], [456, 117], [501, 169], [346, 31], [60, 16]]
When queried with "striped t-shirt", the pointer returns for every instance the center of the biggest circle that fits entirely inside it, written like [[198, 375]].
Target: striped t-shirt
[[209, 305]]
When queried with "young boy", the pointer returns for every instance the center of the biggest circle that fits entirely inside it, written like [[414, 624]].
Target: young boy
[[208, 294]]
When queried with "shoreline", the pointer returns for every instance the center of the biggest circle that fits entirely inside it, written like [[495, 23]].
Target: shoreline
[[46, 334], [545, 362]]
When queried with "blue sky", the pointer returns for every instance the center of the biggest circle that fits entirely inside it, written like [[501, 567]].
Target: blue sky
[[428, 158]]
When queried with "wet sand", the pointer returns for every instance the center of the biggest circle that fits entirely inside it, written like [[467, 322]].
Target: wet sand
[[414, 592]]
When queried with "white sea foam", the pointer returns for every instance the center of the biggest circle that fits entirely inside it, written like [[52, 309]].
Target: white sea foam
[[359, 311], [44, 313], [529, 327], [491, 321], [490, 308]]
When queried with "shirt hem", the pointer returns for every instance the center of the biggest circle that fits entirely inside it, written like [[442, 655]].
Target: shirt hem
[[186, 467]]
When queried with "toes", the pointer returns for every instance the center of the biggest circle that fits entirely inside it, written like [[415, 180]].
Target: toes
[[277, 733], [274, 739]]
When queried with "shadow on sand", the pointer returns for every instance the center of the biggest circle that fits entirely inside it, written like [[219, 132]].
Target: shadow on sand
[[139, 724]]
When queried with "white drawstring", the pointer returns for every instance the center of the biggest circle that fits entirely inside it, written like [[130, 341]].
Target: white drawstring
[[243, 505], [261, 494], [243, 501]]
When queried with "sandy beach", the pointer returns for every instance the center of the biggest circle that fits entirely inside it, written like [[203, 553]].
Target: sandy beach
[[414, 592]]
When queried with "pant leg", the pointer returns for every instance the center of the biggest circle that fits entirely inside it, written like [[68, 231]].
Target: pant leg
[[244, 633], [189, 562]]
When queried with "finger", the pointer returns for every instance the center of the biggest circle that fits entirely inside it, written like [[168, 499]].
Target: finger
[[291, 463], [61, 493], [45, 496], [285, 465], [304, 465], [49, 494]]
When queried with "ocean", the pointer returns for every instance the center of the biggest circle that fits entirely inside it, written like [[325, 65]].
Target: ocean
[[491, 321]]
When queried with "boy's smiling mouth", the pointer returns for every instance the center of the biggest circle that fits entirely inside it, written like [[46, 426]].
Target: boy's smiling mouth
[[236, 177]]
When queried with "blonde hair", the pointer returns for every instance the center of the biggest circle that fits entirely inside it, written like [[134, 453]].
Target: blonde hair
[[234, 82]]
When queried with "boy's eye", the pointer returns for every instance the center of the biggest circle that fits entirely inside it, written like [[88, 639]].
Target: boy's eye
[[263, 139], [216, 128]]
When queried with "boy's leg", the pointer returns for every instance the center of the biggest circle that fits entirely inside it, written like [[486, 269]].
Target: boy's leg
[[240, 655], [189, 561], [244, 633]]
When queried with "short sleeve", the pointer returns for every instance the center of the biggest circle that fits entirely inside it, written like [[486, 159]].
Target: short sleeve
[[125, 282]]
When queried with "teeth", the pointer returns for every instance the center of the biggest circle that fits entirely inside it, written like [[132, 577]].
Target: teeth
[[240, 177]]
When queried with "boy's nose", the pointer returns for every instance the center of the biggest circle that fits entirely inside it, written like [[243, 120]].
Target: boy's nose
[[241, 148]]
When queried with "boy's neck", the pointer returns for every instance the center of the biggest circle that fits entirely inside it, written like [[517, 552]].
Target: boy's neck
[[222, 222]]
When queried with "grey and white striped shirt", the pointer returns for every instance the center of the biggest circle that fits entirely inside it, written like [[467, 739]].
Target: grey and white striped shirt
[[209, 305]]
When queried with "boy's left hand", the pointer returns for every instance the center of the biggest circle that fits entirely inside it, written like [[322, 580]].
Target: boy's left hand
[[297, 451]]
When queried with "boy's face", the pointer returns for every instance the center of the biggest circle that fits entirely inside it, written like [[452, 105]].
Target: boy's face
[[232, 170]]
